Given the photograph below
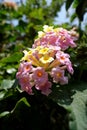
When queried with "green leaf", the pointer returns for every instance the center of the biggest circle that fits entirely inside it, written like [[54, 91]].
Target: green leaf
[[4, 114], [11, 70], [63, 94], [13, 58], [68, 4], [78, 113], [73, 97], [2, 94], [21, 103], [76, 3], [73, 16], [6, 84], [37, 14]]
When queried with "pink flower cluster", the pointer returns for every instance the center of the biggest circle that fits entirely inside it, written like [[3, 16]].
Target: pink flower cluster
[[56, 37], [46, 62], [10, 4]]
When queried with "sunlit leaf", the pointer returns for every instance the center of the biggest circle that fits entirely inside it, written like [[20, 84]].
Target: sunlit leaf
[[6, 84], [78, 115], [63, 94], [73, 16], [37, 13], [2, 94], [11, 70], [13, 58], [4, 114], [76, 2], [21, 103], [73, 98]]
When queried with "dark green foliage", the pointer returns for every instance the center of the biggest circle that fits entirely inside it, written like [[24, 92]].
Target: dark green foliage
[[68, 4], [42, 113], [80, 7]]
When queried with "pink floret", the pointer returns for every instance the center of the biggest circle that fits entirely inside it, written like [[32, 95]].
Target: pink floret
[[62, 57], [65, 40], [25, 67], [24, 82], [69, 67], [58, 76], [40, 76], [45, 89]]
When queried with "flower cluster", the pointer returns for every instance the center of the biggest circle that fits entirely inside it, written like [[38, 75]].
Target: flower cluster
[[56, 37], [10, 4], [46, 62]]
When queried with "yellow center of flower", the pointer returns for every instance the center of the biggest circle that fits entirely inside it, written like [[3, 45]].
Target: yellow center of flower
[[30, 52], [59, 75], [25, 80], [46, 59], [44, 51], [39, 74], [62, 58], [27, 67]]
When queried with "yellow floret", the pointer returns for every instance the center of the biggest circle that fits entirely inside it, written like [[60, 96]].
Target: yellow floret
[[47, 28], [41, 34], [46, 59], [44, 51]]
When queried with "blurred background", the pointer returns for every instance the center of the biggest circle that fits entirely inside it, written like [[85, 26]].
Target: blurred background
[[20, 21]]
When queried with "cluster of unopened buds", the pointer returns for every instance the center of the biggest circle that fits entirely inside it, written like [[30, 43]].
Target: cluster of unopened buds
[[46, 62]]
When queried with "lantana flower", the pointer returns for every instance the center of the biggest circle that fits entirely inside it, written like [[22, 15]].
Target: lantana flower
[[56, 37], [10, 4], [46, 62]]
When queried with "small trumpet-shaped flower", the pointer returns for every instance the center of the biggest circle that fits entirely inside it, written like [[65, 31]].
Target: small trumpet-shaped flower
[[40, 34], [46, 59], [25, 67], [62, 57], [40, 76], [24, 81], [41, 80], [45, 89], [47, 28], [58, 76], [24, 77]]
